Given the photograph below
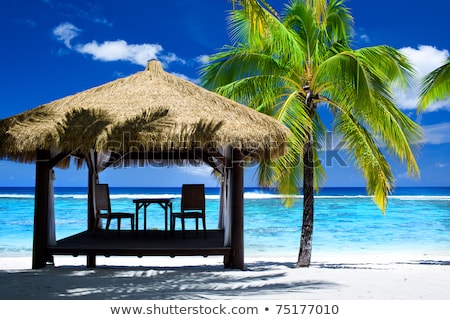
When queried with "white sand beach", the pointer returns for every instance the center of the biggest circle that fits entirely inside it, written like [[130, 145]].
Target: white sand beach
[[343, 276]]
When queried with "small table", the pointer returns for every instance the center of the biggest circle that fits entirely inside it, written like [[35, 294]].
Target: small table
[[165, 203]]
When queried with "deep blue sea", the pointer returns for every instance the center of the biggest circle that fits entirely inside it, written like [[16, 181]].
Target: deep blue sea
[[346, 219]]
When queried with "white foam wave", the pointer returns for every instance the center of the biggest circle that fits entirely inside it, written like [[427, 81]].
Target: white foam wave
[[421, 197], [17, 196], [344, 197], [71, 196], [247, 195], [258, 195], [143, 196], [262, 195]]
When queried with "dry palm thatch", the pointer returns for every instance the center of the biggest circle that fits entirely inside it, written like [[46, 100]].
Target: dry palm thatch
[[152, 108]]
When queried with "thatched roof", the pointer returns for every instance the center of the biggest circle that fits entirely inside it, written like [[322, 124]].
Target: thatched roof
[[147, 110]]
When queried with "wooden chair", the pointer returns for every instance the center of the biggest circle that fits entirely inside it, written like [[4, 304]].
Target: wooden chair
[[192, 207], [103, 209]]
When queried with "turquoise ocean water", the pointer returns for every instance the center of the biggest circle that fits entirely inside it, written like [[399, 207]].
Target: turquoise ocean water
[[346, 219]]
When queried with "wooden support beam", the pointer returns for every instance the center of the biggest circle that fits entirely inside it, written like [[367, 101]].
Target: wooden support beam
[[41, 207], [58, 158], [237, 211], [90, 258], [90, 203]]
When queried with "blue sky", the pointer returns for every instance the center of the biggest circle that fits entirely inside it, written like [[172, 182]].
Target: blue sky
[[54, 48]]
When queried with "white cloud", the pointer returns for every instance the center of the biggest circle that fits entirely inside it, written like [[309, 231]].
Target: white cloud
[[437, 133], [441, 165], [118, 50], [361, 35], [201, 171], [172, 57], [365, 38], [203, 59], [424, 59], [121, 50], [66, 32]]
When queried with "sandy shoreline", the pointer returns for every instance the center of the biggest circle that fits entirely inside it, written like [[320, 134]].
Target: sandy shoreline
[[372, 276]]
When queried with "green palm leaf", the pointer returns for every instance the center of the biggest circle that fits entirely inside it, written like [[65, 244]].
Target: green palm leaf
[[435, 86]]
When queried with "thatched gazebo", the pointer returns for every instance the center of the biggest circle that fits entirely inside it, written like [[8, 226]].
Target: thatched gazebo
[[146, 118]]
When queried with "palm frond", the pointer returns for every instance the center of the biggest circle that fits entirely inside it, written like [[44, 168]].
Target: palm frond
[[293, 113], [319, 132], [339, 22], [435, 86], [345, 78], [397, 132], [237, 63], [367, 156], [288, 174], [300, 18], [387, 64], [365, 93]]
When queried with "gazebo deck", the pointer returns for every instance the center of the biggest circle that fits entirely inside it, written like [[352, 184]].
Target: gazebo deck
[[148, 243]]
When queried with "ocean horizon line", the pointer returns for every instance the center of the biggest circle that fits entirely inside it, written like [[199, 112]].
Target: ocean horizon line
[[269, 189], [213, 193]]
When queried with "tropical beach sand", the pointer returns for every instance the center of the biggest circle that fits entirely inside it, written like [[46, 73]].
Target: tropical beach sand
[[336, 276]]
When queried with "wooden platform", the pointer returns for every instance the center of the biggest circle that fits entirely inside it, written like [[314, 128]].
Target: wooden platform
[[148, 243]]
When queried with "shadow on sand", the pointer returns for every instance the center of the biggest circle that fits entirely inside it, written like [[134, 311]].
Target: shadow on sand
[[157, 283]]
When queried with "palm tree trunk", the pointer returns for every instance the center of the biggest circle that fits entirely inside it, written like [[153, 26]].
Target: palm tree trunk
[[304, 255]]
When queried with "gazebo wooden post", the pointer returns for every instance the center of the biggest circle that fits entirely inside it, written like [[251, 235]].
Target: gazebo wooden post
[[91, 179], [90, 258], [237, 211], [41, 207]]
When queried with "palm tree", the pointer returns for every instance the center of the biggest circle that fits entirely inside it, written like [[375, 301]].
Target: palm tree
[[435, 86], [291, 66]]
